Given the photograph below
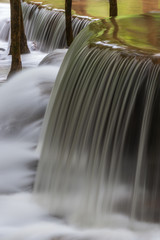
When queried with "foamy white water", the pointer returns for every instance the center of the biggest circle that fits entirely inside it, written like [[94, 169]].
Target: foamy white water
[[4, 11], [23, 219], [23, 101]]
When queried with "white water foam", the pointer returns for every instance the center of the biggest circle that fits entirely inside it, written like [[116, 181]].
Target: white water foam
[[22, 106]]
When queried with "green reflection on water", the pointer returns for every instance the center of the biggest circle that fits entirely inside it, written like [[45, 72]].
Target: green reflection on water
[[140, 33]]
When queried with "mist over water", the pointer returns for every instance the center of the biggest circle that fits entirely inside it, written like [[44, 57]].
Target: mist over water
[[23, 101]]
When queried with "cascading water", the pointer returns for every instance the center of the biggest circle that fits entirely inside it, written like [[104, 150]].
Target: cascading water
[[99, 144], [4, 22], [47, 27]]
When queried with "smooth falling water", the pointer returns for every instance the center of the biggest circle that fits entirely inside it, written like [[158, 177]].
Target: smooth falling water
[[101, 140], [47, 26], [4, 22]]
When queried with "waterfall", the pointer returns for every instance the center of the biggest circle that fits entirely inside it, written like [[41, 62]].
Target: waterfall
[[4, 30], [47, 26], [100, 143], [4, 22]]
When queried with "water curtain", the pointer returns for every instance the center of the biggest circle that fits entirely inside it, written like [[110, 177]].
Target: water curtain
[[100, 143], [47, 26]]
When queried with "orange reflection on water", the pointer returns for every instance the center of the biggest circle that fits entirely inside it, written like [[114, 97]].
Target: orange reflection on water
[[150, 5], [100, 8]]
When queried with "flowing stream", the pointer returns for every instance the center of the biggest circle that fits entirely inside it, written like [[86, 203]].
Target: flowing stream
[[100, 133]]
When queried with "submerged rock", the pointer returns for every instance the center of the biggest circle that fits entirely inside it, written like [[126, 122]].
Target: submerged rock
[[54, 58]]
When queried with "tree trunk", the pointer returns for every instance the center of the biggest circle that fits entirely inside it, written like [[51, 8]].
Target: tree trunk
[[23, 40], [16, 64], [113, 12], [68, 14]]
